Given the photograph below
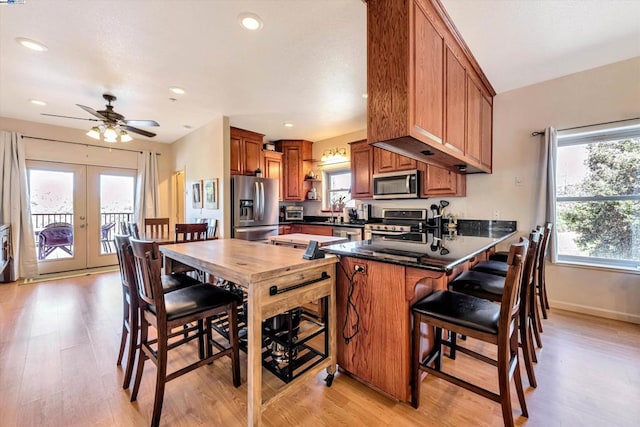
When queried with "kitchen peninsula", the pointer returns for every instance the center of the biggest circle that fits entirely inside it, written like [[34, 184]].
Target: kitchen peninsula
[[377, 282]]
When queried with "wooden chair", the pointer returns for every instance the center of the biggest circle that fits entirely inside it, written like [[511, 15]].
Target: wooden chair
[[106, 230], [190, 232], [156, 226], [176, 309], [541, 285], [130, 305], [491, 287], [480, 319], [133, 230]]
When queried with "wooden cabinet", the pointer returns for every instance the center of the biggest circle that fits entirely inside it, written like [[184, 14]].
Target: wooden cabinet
[[319, 230], [387, 161], [273, 168], [437, 181], [425, 89], [245, 152], [5, 253], [361, 170], [296, 162], [284, 229], [380, 353]]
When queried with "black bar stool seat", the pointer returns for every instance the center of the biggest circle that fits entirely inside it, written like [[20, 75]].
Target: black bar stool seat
[[492, 267], [194, 299], [479, 284]]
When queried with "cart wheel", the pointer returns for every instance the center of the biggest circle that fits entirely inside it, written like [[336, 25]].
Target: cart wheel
[[329, 380]]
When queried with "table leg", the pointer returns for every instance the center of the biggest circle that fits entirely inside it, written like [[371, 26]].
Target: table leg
[[254, 359]]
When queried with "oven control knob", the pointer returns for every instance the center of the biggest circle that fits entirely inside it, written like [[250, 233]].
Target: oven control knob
[[393, 228]]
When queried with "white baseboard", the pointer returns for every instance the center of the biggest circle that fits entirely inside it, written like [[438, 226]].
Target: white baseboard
[[595, 311]]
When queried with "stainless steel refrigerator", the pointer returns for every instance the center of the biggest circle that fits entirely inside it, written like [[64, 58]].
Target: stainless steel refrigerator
[[254, 207]]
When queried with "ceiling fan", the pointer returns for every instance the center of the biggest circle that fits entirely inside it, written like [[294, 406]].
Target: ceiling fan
[[113, 123]]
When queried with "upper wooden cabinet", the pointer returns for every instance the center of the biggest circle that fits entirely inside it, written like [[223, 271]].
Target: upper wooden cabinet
[[273, 168], [421, 78], [296, 162], [245, 152], [361, 170], [437, 181], [387, 161]]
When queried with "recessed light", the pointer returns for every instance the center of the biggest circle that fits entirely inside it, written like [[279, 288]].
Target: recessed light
[[288, 125], [365, 95], [177, 90], [250, 21], [187, 126], [38, 102], [31, 44]]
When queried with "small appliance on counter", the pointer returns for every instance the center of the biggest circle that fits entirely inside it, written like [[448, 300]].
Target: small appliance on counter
[[364, 212], [293, 213]]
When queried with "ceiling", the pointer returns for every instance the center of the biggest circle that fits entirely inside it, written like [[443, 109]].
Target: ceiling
[[306, 66]]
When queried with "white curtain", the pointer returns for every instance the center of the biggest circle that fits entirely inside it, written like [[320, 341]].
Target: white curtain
[[547, 190], [15, 208], [147, 200]]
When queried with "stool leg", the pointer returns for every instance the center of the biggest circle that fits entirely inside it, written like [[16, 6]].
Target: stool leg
[[125, 331], [161, 374], [133, 346], [452, 349], [517, 377], [142, 357], [415, 362], [503, 382], [527, 349]]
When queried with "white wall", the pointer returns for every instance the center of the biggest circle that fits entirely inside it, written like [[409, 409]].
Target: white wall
[[204, 154], [599, 95]]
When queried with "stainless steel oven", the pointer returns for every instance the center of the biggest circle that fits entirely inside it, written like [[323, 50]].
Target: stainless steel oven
[[293, 213], [351, 233]]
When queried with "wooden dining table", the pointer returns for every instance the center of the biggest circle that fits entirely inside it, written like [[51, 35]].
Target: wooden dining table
[[276, 280]]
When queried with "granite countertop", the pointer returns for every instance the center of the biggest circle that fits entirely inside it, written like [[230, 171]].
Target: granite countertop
[[438, 254]]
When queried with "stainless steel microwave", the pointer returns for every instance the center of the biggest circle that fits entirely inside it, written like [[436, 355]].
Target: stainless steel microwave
[[396, 185]]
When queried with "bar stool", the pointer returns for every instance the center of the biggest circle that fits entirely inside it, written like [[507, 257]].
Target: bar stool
[[174, 309], [492, 286], [130, 305], [479, 319]]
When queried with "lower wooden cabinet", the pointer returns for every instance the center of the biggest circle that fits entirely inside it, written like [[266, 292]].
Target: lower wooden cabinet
[[379, 354], [284, 229]]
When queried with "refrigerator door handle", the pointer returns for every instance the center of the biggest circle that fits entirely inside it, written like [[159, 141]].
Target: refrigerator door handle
[[262, 201], [256, 212], [259, 228]]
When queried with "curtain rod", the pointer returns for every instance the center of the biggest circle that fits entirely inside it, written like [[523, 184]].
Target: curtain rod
[[86, 145], [541, 132]]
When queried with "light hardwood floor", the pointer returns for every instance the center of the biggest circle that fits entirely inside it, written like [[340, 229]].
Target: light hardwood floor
[[59, 343]]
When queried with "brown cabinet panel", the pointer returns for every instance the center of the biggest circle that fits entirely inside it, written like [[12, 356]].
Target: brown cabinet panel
[[438, 181], [361, 170], [386, 161], [455, 103], [474, 98], [405, 163], [318, 230], [245, 152], [284, 229], [273, 168], [296, 161], [486, 132], [428, 80]]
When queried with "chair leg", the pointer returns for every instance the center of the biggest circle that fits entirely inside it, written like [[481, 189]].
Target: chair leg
[[235, 343], [534, 356], [536, 323], [517, 377], [438, 345], [161, 376], [415, 362], [504, 383], [125, 331], [542, 297], [453, 340], [201, 343], [527, 350], [142, 357], [133, 348]]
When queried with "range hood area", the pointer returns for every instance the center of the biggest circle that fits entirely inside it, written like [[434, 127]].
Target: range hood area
[[428, 99]]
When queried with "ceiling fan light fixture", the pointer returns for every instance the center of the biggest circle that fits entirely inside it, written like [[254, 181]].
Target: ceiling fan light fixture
[[94, 133], [32, 44], [250, 21], [110, 134], [125, 137]]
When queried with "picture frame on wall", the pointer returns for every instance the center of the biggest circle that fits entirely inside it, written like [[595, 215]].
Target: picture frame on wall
[[196, 195], [210, 188]]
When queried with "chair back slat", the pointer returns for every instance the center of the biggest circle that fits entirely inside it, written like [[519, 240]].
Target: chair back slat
[[125, 260], [510, 303], [190, 232], [156, 226], [147, 263], [133, 230]]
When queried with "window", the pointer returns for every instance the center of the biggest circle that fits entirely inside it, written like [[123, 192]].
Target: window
[[337, 189], [598, 197]]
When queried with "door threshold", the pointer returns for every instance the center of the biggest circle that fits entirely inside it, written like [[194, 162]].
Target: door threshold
[[69, 274]]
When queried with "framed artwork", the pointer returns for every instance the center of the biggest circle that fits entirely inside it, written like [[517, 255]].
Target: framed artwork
[[211, 193], [196, 195]]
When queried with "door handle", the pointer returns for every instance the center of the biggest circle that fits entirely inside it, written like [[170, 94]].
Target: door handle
[[82, 218], [256, 212], [81, 226], [261, 201]]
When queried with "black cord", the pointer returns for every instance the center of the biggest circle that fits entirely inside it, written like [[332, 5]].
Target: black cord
[[350, 307]]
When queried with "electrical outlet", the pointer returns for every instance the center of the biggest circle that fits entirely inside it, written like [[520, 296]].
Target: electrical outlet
[[358, 268]]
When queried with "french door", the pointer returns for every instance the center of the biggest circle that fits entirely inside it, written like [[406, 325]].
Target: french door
[[75, 211]]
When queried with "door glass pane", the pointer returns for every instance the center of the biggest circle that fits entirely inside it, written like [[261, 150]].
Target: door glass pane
[[116, 207], [51, 196]]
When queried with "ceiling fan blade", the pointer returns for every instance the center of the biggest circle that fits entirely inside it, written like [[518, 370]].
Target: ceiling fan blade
[[92, 112], [69, 117], [142, 122], [139, 131]]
